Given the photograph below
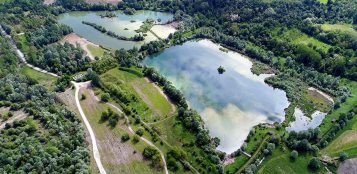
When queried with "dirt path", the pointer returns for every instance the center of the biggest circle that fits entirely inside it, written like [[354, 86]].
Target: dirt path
[[12, 119], [89, 128], [142, 138]]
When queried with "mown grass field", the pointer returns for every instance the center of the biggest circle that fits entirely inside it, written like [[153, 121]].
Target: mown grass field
[[297, 37], [42, 78], [96, 51]]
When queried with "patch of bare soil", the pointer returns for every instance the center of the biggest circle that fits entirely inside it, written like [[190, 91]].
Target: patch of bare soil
[[48, 2], [114, 2], [318, 92], [348, 167], [74, 39], [17, 115]]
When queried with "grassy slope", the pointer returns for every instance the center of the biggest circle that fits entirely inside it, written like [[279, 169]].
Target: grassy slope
[[346, 141], [153, 107], [42, 78], [280, 162], [104, 134], [350, 103], [96, 51]]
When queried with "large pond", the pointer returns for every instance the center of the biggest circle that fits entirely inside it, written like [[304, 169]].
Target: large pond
[[230, 103], [122, 24]]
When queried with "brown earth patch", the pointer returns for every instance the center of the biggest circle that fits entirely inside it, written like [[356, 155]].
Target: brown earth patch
[[74, 39], [48, 2], [114, 2]]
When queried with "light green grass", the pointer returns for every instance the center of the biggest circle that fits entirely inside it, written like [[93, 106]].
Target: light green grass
[[4, 1], [344, 108], [344, 28], [280, 163], [153, 106], [345, 141], [323, 1], [96, 51], [42, 78], [297, 37]]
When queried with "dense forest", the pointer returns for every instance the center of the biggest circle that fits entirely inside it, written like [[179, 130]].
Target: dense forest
[[50, 139]]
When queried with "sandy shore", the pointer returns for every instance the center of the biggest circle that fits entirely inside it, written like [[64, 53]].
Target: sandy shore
[[328, 97]]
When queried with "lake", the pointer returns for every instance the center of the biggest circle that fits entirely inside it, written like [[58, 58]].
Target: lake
[[230, 104], [303, 123], [122, 25]]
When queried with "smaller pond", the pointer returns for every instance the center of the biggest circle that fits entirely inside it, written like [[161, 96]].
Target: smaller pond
[[303, 122], [230, 103], [122, 24]]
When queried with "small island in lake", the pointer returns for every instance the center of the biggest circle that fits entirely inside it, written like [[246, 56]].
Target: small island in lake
[[221, 70]]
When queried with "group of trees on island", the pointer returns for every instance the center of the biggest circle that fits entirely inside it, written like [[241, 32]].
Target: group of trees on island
[[137, 37]]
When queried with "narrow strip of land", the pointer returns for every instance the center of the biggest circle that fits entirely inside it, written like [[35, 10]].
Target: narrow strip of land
[[90, 130]]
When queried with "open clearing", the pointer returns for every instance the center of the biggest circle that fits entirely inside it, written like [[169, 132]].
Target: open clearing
[[17, 115], [102, 1], [154, 105], [297, 37], [42, 78], [48, 2], [344, 28], [90, 48]]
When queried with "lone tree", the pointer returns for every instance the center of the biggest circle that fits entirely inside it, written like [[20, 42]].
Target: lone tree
[[221, 70], [314, 164], [293, 155], [343, 156], [105, 97]]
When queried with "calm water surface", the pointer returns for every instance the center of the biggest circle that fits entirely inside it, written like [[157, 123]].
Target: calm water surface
[[116, 24], [303, 122], [231, 103]]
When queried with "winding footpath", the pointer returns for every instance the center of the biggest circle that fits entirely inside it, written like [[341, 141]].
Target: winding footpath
[[90, 130], [22, 56], [142, 138]]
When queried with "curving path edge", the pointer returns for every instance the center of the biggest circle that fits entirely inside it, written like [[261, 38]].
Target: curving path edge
[[142, 138], [90, 130]]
